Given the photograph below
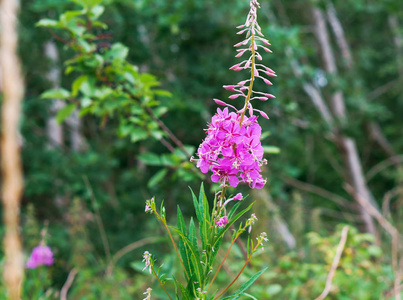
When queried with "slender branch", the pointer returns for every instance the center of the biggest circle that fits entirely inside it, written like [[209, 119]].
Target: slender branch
[[335, 263], [343, 202], [11, 167], [339, 33], [67, 284], [127, 249], [379, 91], [387, 197], [167, 145], [393, 160], [99, 219], [163, 287], [168, 131]]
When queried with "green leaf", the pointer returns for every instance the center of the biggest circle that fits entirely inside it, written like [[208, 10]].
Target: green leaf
[[162, 93], [68, 16], [234, 209], [154, 180], [56, 94], [194, 256], [245, 286], [271, 150], [96, 12], [65, 112], [232, 221], [192, 233], [49, 23], [149, 158], [138, 134], [203, 203], [75, 87], [183, 249], [117, 51]]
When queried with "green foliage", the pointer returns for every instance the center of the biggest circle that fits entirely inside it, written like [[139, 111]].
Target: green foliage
[[197, 252], [304, 276], [106, 84], [185, 44]]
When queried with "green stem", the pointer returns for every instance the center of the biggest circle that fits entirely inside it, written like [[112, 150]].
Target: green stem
[[173, 242], [222, 263], [252, 77], [239, 274], [156, 275], [176, 249]]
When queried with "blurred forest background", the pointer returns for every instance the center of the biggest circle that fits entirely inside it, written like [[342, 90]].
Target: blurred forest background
[[333, 142]]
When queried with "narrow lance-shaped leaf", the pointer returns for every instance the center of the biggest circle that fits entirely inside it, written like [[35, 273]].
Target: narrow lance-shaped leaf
[[245, 286]]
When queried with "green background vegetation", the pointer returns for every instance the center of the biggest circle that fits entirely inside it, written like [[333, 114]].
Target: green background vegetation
[[187, 47]]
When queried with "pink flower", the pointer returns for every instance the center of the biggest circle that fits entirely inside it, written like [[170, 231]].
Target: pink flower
[[230, 148], [41, 255], [222, 222], [238, 196]]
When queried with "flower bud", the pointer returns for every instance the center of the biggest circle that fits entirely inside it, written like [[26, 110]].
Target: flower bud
[[267, 81], [219, 102], [238, 196], [229, 87], [234, 96]]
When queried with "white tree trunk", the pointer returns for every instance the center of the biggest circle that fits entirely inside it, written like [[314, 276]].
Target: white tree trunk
[[53, 129], [74, 122]]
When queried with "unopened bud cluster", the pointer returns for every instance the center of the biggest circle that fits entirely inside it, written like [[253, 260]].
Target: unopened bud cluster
[[232, 148]]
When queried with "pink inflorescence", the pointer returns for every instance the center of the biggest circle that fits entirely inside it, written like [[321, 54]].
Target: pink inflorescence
[[222, 222], [232, 148], [41, 255], [232, 152]]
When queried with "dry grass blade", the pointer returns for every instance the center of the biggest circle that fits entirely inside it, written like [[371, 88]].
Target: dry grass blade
[[335, 263], [67, 284]]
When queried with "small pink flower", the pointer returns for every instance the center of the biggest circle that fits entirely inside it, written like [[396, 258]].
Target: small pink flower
[[238, 196], [222, 222], [41, 255], [148, 208]]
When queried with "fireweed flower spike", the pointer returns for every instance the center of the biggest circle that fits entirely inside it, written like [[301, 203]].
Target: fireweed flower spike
[[232, 150], [41, 255]]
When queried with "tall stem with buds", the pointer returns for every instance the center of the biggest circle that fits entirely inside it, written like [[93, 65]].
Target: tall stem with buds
[[252, 75]]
